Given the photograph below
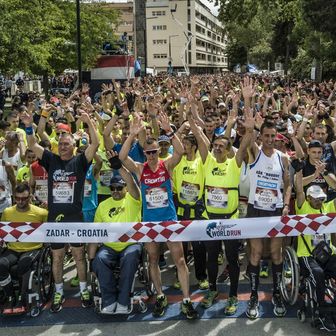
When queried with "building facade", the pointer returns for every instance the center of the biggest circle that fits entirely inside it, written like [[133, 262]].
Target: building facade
[[126, 21], [166, 37], [158, 38]]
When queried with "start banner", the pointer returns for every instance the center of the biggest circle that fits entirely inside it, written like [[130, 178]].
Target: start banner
[[193, 230]]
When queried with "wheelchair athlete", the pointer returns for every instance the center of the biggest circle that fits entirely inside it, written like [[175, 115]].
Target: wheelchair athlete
[[18, 258], [314, 202], [123, 206]]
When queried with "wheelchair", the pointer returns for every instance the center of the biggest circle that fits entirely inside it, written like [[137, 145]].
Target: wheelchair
[[40, 283], [296, 289], [137, 297]]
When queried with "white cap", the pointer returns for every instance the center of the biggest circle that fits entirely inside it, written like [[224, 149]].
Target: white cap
[[315, 191]]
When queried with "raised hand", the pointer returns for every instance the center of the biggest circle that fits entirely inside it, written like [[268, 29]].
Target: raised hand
[[84, 117], [247, 87], [136, 125], [26, 118], [85, 88], [165, 122]]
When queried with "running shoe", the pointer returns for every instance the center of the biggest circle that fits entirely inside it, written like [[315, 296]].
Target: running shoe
[[279, 308], [224, 277], [231, 306], [57, 302], [86, 298], [189, 311], [177, 284], [203, 284], [74, 281], [160, 306], [209, 299], [110, 309], [252, 310], [263, 272], [121, 309]]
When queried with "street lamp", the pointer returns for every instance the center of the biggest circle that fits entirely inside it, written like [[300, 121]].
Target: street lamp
[[145, 40], [79, 51], [169, 46]]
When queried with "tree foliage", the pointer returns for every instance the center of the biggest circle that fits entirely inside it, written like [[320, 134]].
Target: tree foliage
[[39, 36], [289, 31]]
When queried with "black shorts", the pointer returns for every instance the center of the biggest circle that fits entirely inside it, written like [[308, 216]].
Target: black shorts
[[58, 246], [253, 212], [65, 218]]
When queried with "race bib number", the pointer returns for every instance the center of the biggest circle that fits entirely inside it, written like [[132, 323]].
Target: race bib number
[[41, 190], [63, 192], [156, 198], [217, 197], [266, 199], [105, 177], [321, 237], [189, 192], [87, 188]]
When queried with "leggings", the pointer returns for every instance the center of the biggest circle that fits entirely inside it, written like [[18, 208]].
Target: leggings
[[17, 264]]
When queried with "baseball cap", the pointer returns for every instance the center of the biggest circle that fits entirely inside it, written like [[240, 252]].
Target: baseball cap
[[221, 104], [63, 127], [315, 143], [163, 138], [280, 137], [117, 180], [204, 98], [315, 191]]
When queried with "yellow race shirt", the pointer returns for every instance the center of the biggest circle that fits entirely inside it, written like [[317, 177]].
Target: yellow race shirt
[[23, 174], [111, 211], [221, 186], [188, 180], [34, 214], [313, 240]]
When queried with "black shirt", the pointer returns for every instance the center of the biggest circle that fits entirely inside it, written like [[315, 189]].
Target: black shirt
[[308, 170], [65, 184]]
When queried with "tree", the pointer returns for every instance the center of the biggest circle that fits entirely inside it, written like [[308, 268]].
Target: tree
[[39, 36]]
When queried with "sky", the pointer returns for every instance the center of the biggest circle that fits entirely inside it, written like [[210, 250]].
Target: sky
[[213, 9]]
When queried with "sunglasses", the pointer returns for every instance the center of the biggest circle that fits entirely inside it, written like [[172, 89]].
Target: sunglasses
[[21, 199], [153, 151], [59, 133], [117, 188]]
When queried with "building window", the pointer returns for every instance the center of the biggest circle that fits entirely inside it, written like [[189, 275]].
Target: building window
[[160, 27], [158, 13], [160, 56], [159, 41]]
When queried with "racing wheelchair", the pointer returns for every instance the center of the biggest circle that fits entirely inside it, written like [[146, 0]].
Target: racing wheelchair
[[137, 297], [40, 282], [298, 289]]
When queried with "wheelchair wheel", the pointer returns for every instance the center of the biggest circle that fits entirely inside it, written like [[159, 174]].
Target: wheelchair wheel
[[35, 311], [45, 276], [144, 276], [290, 276]]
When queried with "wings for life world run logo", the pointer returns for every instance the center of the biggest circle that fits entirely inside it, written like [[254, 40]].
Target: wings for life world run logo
[[220, 230]]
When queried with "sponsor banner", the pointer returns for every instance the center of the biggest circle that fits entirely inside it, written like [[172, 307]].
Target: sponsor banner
[[196, 230]]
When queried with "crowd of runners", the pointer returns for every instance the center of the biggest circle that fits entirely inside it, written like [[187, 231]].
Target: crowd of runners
[[170, 148]]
